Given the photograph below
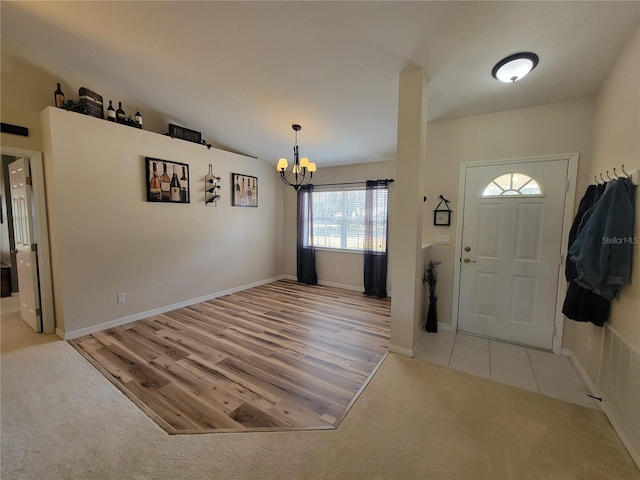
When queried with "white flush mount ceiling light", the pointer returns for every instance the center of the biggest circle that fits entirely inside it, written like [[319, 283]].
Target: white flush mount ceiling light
[[514, 67]]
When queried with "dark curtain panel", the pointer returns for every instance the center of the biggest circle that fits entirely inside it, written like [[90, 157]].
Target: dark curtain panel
[[375, 238], [305, 252]]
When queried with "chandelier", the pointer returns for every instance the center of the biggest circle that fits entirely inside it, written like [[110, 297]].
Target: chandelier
[[301, 170]]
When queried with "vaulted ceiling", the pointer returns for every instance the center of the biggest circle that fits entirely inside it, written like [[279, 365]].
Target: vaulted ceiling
[[243, 72]]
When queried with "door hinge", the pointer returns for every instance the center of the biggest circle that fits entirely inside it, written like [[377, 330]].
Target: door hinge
[[560, 260], [554, 330], [34, 247], [566, 186], [27, 180], [38, 312]]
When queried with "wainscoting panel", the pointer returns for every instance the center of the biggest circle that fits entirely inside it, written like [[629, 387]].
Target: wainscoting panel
[[619, 385]]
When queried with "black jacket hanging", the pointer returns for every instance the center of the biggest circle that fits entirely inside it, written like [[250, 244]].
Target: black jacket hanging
[[580, 304]]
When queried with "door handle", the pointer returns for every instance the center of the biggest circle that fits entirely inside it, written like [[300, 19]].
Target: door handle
[[468, 260]]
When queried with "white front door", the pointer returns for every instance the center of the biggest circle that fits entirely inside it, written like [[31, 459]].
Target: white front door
[[511, 251], [25, 241]]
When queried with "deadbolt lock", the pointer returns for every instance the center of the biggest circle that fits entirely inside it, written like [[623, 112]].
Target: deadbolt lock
[[467, 249]]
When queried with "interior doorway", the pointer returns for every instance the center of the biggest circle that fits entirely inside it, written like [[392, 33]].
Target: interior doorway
[[512, 232], [28, 237]]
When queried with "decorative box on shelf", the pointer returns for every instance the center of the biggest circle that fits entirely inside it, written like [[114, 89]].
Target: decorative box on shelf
[[94, 102]]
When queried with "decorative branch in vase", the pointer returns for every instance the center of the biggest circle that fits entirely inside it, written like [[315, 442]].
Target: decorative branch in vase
[[431, 278]]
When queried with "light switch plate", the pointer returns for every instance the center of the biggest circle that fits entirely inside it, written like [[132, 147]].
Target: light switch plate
[[443, 239]]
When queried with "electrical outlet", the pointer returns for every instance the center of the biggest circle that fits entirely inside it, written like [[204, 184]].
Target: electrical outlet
[[588, 343], [338, 270], [257, 268], [121, 298]]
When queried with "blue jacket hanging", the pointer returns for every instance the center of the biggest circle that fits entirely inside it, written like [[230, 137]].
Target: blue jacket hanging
[[603, 250]]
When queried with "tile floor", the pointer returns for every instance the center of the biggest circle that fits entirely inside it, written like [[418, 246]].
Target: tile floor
[[527, 368]]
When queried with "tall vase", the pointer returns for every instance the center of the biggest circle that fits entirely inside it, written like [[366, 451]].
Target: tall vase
[[432, 317]]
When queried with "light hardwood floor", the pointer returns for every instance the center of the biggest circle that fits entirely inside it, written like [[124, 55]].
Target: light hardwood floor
[[281, 356]]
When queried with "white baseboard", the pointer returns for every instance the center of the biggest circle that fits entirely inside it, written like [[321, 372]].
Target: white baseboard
[[70, 335], [593, 390], [340, 285], [358, 288], [327, 284], [407, 352], [445, 327], [582, 373]]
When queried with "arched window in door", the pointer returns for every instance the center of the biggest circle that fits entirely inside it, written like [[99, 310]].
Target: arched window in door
[[512, 184]]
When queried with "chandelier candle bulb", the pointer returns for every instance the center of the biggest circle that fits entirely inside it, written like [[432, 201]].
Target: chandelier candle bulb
[[282, 164], [304, 162]]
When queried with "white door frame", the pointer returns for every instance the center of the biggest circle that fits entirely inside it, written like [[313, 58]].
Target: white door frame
[[572, 175], [44, 257]]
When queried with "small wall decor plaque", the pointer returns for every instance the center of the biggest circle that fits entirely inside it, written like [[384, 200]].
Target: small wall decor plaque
[[245, 190], [167, 181], [184, 134], [15, 129]]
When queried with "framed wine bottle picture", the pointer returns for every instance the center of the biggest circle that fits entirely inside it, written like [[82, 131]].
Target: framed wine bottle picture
[[245, 190], [167, 181]]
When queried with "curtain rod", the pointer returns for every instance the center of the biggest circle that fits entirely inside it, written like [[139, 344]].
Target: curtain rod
[[390, 180]]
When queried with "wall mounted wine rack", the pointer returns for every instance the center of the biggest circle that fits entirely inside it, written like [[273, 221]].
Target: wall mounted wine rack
[[211, 189]]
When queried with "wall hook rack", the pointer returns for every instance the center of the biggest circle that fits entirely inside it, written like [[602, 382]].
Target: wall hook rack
[[634, 176]]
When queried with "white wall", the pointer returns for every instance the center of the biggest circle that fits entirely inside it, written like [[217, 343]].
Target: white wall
[[106, 238], [350, 263], [549, 129], [616, 141]]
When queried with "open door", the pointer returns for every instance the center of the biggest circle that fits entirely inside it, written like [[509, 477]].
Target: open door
[[25, 243]]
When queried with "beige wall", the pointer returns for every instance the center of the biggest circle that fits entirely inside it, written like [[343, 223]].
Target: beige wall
[[5, 255], [616, 141], [106, 238], [28, 89], [351, 263], [549, 129]]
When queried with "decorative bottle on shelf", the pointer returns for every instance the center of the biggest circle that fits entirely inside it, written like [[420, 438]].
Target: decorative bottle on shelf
[[184, 184], [58, 97], [138, 118], [154, 185], [120, 115], [175, 186], [165, 183], [111, 113]]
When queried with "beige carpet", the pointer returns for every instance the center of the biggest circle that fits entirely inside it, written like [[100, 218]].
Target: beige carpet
[[61, 419]]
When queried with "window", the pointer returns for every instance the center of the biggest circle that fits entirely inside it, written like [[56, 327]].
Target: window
[[338, 219], [512, 184]]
